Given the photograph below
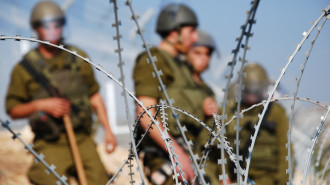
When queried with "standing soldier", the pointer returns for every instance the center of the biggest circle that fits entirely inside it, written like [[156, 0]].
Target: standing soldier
[[176, 25], [268, 162], [199, 57], [42, 71]]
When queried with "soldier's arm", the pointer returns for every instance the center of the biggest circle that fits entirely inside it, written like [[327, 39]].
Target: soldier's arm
[[155, 135], [98, 104], [210, 106], [57, 107], [18, 100]]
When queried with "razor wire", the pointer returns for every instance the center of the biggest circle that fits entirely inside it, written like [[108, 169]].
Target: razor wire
[[98, 67], [228, 148], [318, 158], [122, 79], [137, 145], [240, 82], [244, 33], [38, 158], [324, 140], [116, 174], [121, 83], [157, 73], [326, 167], [271, 93], [165, 124], [314, 139], [289, 171]]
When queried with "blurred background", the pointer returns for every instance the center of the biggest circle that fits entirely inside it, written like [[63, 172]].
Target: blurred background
[[279, 27]]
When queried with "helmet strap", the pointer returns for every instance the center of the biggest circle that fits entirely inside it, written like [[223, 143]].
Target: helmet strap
[[179, 46]]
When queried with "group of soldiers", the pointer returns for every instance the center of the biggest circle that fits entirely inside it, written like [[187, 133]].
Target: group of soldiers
[[49, 84]]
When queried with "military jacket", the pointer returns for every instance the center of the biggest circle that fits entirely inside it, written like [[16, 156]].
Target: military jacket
[[180, 86], [269, 153], [69, 74]]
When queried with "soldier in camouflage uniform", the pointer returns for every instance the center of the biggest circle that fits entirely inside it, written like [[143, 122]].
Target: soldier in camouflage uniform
[[268, 162], [176, 25], [28, 97], [199, 57]]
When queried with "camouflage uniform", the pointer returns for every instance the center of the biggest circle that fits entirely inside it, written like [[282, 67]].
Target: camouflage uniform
[[268, 162], [187, 95], [75, 80]]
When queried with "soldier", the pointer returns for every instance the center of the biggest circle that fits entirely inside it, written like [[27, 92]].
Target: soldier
[[268, 162], [176, 25], [34, 80], [199, 57]]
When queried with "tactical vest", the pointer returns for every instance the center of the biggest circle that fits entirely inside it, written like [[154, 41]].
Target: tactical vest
[[187, 95], [68, 80], [265, 152]]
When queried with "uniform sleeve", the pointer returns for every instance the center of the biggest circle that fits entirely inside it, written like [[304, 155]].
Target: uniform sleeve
[[145, 83], [88, 76], [17, 92], [282, 128]]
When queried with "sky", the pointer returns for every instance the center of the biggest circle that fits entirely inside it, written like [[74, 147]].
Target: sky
[[279, 27]]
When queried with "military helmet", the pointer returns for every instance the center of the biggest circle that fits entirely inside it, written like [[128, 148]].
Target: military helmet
[[46, 11], [205, 39], [256, 79], [174, 16]]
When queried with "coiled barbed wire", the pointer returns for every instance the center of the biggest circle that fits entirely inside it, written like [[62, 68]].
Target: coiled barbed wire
[[320, 151], [138, 142], [326, 168], [271, 93], [38, 158], [121, 82], [289, 170], [249, 21], [240, 82], [122, 79], [314, 140]]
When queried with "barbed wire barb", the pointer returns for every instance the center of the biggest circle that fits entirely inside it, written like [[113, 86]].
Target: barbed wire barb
[[38, 158]]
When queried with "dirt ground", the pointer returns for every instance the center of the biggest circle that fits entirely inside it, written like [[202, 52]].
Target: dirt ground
[[15, 160]]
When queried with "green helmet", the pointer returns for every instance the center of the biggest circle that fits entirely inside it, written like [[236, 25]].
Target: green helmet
[[205, 39], [256, 80], [174, 16], [46, 11]]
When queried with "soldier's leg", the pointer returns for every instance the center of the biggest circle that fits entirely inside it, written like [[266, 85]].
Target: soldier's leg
[[94, 168], [55, 153]]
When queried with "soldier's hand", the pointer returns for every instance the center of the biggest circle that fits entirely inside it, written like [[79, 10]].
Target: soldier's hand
[[210, 106], [186, 166], [110, 142], [56, 107]]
